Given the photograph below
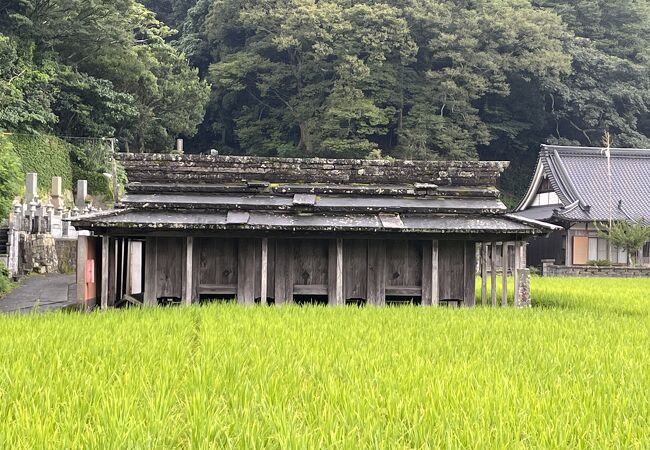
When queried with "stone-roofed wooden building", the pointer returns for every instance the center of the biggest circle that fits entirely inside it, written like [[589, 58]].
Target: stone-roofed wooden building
[[196, 227], [571, 187]]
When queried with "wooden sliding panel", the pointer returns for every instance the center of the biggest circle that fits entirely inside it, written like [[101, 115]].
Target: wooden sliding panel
[[376, 272], [430, 281], [404, 267], [310, 266], [150, 270], [283, 271], [335, 273], [451, 261], [247, 270], [170, 258], [215, 267], [470, 274], [580, 250], [355, 269]]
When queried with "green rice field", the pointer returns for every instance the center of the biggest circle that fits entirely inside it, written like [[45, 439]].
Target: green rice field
[[572, 372]]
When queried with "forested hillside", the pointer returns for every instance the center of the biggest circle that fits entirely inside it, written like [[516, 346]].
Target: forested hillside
[[408, 78]]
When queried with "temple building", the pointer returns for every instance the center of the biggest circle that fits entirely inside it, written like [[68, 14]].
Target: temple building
[[194, 228], [578, 188]]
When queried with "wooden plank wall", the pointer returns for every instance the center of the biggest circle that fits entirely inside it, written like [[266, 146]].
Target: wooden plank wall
[[342, 269], [404, 267], [451, 263], [355, 269], [310, 266]]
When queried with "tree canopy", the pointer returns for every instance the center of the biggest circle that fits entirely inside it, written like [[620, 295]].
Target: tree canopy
[[95, 68], [411, 78]]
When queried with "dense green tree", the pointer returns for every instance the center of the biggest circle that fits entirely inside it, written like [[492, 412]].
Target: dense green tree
[[10, 177], [96, 67], [344, 78]]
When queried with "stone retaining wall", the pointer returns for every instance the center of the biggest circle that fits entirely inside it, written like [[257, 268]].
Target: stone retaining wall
[[42, 253], [551, 270]]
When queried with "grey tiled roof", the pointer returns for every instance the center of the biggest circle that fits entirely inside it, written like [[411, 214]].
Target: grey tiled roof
[[579, 176]]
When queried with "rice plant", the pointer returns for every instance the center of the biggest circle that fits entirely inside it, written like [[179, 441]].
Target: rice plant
[[572, 372]]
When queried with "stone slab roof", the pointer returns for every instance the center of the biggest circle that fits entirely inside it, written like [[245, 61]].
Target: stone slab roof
[[193, 192], [148, 220]]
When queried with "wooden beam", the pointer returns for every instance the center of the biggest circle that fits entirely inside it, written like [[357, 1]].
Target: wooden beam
[[105, 270], [484, 248], [82, 246], [150, 272], [264, 275], [493, 272], [189, 271], [504, 276], [376, 272]]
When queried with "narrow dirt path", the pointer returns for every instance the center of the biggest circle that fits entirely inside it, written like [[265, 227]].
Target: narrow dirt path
[[40, 293]]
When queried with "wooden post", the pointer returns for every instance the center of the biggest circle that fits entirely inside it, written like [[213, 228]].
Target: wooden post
[[246, 275], [189, 272], [127, 276], [335, 282], [283, 270], [264, 274], [435, 282], [105, 269], [516, 274], [483, 273], [82, 245], [493, 272], [150, 272], [504, 279], [469, 270]]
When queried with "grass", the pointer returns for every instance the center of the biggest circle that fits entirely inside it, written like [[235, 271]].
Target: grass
[[570, 373]]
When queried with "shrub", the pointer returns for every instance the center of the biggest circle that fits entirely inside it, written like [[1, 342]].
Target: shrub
[[48, 156], [598, 263], [5, 280], [10, 177]]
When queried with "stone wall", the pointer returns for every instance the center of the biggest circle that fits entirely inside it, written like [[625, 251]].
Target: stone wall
[[42, 253], [66, 252], [552, 270], [38, 254], [162, 168]]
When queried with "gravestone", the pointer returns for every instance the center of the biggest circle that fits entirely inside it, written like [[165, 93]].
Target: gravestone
[[57, 193], [31, 187], [82, 193]]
